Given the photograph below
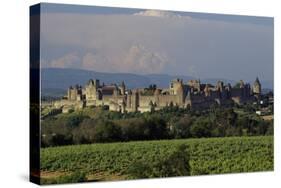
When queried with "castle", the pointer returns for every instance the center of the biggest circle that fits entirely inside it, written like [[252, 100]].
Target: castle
[[192, 94]]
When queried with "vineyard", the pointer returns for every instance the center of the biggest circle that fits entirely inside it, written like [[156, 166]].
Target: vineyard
[[148, 159]]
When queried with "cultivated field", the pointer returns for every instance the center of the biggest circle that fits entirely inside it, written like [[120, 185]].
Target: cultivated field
[[149, 159]]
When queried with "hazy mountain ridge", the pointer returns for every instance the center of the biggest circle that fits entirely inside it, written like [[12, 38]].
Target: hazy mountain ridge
[[57, 80]]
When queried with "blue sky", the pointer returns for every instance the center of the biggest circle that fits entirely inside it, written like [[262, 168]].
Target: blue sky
[[84, 9], [156, 42]]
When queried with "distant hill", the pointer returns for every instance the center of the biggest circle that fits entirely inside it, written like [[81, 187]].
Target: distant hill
[[267, 85], [62, 78], [213, 81], [55, 81]]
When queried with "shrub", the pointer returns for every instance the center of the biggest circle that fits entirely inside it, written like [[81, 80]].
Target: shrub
[[106, 131], [200, 128], [181, 128], [176, 164]]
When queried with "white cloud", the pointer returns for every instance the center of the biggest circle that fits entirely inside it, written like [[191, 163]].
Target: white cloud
[[141, 60], [146, 44], [136, 59], [160, 13], [70, 60], [96, 62]]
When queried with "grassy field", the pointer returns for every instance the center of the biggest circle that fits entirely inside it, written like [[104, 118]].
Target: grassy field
[[120, 161]]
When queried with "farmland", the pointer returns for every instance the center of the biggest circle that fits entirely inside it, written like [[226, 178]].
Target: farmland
[[150, 159]]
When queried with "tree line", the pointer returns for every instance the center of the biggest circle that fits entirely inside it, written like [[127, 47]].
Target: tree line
[[168, 123]]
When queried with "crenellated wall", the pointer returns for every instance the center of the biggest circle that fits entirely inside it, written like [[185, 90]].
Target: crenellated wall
[[193, 95]]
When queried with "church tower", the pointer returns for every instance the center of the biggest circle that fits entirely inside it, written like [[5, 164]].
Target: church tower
[[257, 87]]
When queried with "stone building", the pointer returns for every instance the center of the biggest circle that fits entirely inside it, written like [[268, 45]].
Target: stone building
[[257, 89], [192, 94]]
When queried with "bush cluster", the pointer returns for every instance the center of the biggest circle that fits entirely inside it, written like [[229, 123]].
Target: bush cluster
[[168, 123]]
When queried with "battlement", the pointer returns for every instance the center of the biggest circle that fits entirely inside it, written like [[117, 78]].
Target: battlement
[[193, 94]]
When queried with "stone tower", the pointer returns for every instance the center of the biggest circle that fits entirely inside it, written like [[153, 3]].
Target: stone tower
[[115, 91], [257, 87], [157, 92], [220, 86], [242, 84], [180, 93], [74, 93], [175, 85], [194, 84], [69, 93], [207, 91], [91, 90], [135, 100], [129, 100], [122, 88]]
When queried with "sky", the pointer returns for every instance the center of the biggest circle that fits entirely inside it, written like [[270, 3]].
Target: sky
[[140, 41]]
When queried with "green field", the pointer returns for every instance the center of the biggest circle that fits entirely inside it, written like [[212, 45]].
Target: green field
[[148, 159]]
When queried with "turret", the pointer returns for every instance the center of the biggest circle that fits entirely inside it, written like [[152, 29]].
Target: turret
[[174, 86], [91, 89], [97, 83], [180, 93], [74, 93], [135, 100], [242, 85], [219, 86], [69, 92], [157, 92], [93, 83], [122, 88], [129, 99], [257, 87], [195, 84], [207, 90], [116, 91]]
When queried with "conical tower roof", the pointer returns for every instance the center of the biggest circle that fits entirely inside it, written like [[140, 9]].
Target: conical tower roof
[[180, 88], [257, 82], [91, 82]]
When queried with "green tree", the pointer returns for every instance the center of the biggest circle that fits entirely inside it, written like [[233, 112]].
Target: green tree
[[181, 129], [200, 128], [106, 131], [175, 164]]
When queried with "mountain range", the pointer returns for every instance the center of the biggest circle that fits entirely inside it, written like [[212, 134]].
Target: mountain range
[[55, 81]]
